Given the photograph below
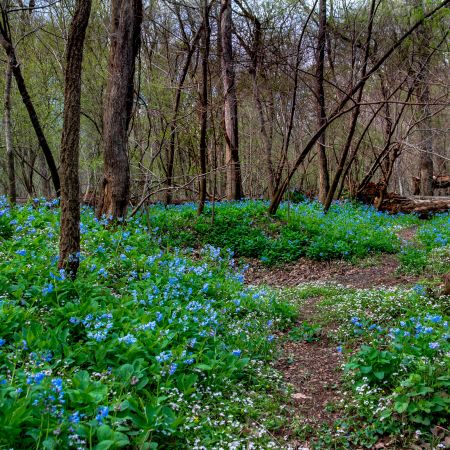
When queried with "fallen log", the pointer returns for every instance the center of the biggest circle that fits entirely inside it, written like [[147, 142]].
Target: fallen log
[[395, 203], [446, 288], [423, 206]]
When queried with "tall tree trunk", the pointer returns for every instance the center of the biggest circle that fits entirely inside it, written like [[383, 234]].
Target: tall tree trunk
[[173, 124], [324, 177], [423, 89], [204, 106], [5, 41], [8, 135], [234, 182], [426, 144], [267, 138], [125, 40], [355, 113], [69, 241]]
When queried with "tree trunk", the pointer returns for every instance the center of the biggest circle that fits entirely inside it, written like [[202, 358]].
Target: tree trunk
[[234, 183], [8, 135], [324, 177], [125, 40], [355, 114], [267, 136], [204, 106], [423, 89], [173, 124], [10, 52], [69, 241], [426, 144]]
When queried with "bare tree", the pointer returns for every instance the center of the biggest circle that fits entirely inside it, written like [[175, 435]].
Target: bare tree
[[192, 46], [204, 105], [8, 135], [355, 113], [234, 183], [340, 108], [7, 44], [125, 41], [69, 241], [324, 177], [423, 92]]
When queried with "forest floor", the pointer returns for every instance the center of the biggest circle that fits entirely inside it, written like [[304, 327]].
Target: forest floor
[[302, 331], [313, 369], [369, 273]]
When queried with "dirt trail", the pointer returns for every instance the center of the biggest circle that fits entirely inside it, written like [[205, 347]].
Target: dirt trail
[[380, 271], [306, 270], [313, 370]]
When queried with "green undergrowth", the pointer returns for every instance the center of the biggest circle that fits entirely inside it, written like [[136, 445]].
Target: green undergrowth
[[429, 251], [159, 344], [147, 349], [349, 230], [393, 346]]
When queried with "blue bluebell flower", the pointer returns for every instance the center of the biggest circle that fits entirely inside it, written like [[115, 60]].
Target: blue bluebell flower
[[102, 413], [128, 339]]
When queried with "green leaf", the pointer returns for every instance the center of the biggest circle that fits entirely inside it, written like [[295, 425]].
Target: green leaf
[[401, 404], [104, 445], [104, 433], [366, 369]]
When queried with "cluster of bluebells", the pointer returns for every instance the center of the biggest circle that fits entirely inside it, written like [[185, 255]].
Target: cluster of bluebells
[[97, 326], [431, 329], [177, 312], [436, 233]]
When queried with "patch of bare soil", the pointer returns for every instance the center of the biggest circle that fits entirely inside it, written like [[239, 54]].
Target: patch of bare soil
[[306, 270], [408, 234], [313, 371]]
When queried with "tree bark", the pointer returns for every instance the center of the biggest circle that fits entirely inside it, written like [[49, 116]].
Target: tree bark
[[6, 43], [423, 89], [204, 105], [234, 182], [324, 177], [125, 41], [69, 241], [8, 135], [426, 144]]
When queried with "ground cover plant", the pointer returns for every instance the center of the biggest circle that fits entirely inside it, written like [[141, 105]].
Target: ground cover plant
[[430, 250], [298, 229], [159, 344], [146, 349], [394, 345]]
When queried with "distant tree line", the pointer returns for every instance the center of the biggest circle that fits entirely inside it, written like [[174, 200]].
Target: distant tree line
[[124, 102]]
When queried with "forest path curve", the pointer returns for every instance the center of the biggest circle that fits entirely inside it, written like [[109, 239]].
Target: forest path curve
[[361, 276], [372, 272]]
